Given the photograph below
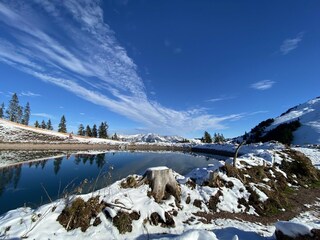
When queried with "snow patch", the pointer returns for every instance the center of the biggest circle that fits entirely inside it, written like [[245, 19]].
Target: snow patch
[[293, 229]]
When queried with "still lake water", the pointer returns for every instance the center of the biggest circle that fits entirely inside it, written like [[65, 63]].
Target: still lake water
[[26, 184]]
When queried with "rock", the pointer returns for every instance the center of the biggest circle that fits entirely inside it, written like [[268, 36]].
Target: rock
[[188, 200], [197, 203]]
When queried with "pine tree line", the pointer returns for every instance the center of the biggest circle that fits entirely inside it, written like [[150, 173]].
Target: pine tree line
[[15, 112], [217, 138], [62, 127], [101, 131], [44, 125]]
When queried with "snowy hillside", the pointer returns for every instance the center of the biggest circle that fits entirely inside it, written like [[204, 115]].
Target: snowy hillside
[[299, 125], [151, 138], [17, 133], [309, 116]]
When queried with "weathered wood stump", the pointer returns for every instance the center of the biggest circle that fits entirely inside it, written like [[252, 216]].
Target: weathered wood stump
[[162, 183], [214, 180]]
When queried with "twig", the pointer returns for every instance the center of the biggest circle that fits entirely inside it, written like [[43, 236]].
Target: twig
[[65, 188], [67, 227], [114, 205], [95, 183], [145, 227], [59, 188], [46, 192], [39, 220]]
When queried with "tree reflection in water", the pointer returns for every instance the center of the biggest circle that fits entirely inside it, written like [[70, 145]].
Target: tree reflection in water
[[9, 175]]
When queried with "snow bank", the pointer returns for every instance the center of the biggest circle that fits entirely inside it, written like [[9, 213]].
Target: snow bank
[[312, 153], [293, 229], [194, 235]]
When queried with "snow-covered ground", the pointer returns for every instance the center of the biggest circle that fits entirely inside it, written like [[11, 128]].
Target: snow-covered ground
[[313, 153], [41, 223]]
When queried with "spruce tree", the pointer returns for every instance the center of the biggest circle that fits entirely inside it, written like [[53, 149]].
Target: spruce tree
[[2, 110], [36, 124], [62, 125], [94, 131], [20, 115], [26, 114], [13, 109], [43, 125], [103, 130], [88, 131], [218, 138], [49, 125], [115, 137], [81, 130], [206, 137]]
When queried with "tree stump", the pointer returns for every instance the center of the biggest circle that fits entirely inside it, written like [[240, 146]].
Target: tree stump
[[214, 180], [162, 183]]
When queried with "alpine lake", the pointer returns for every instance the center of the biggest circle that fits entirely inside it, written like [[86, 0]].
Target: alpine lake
[[33, 183]]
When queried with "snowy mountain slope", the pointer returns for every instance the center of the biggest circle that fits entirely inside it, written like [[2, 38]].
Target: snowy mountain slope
[[309, 116], [11, 132], [151, 138]]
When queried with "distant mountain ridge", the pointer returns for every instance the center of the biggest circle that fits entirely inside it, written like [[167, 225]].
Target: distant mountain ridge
[[151, 138], [308, 115]]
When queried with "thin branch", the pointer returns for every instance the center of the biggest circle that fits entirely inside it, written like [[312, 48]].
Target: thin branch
[[46, 192]]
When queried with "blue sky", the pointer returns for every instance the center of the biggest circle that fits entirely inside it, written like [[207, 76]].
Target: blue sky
[[170, 67]]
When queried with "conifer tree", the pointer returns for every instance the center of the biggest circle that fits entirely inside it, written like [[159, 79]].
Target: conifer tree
[[88, 131], [206, 137], [81, 130], [115, 137], [94, 131], [26, 114], [49, 125], [62, 125], [2, 110], [43, 125], [20, 115], [103, 130], [218, 138], [36, 124], [13, 109]]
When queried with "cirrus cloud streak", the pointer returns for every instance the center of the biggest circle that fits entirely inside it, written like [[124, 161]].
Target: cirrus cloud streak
[[88, 62]]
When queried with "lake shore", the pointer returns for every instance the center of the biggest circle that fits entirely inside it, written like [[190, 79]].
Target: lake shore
[[86, 146]]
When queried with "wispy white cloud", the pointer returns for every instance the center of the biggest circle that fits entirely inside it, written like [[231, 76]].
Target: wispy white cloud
[[29, 94], [44, 115], [257, 112], [290, 44], [263, 85], [223, 98], [92, 65]]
